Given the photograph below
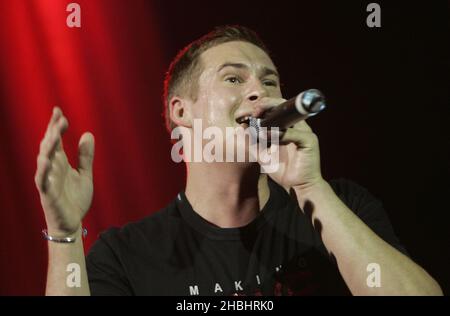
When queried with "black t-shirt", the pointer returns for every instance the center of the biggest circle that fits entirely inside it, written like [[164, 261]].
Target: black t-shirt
[[176, 252]]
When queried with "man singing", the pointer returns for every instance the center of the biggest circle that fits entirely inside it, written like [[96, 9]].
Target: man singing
[[233, 230]]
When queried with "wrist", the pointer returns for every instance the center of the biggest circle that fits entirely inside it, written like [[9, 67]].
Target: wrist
[[60, 234], [309, 192], [310, 186]]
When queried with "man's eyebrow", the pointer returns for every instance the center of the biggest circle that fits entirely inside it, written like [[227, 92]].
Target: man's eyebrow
[[265, 71]]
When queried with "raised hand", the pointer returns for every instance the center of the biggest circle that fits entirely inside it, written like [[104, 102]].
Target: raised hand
[[65, 193]]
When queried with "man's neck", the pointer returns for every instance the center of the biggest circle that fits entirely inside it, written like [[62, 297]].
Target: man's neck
[[225, 194]]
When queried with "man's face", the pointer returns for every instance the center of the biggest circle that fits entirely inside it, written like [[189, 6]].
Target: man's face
[[237, 77]]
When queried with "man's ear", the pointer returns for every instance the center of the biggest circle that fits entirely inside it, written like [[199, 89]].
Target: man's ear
[[180, 111]]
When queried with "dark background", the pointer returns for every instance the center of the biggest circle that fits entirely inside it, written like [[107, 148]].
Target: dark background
[[386, 126]]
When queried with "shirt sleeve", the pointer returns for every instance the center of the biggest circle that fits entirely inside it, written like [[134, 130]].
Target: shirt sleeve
[[105, 271], [369, 209]]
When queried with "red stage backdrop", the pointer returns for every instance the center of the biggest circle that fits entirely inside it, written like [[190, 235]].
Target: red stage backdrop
[[107, 78]]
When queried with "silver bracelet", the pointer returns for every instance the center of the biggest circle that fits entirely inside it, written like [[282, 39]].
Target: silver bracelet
[[63, 240]]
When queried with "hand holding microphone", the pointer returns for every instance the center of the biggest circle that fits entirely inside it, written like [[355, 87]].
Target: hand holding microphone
[[296, 147]]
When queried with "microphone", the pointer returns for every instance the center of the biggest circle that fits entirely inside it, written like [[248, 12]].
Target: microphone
[[306, 104]]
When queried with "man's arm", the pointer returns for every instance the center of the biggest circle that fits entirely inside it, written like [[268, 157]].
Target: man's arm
[[354, 246], [66, 195]]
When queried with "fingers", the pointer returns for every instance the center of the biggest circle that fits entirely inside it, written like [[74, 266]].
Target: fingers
[[56, 114], [86, 154], [55, 140], [301, 137], [302, 126], [52, 139], [43, 166], [300, 134], [49, 145]]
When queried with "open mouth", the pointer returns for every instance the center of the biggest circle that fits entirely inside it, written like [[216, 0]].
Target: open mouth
[[243, 120]]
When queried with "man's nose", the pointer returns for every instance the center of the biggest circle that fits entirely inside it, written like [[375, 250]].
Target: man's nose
[[257, 92], [255, 97]]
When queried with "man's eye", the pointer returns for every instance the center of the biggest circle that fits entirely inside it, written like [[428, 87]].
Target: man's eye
[[270, 83], [233, 80]]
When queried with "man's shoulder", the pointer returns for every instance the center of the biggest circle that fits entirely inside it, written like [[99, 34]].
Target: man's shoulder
[[368, 208], [153, 227], [343, 186], [353, 194]]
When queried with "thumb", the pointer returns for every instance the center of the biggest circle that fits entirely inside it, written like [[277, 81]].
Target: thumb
[[86, 154]]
